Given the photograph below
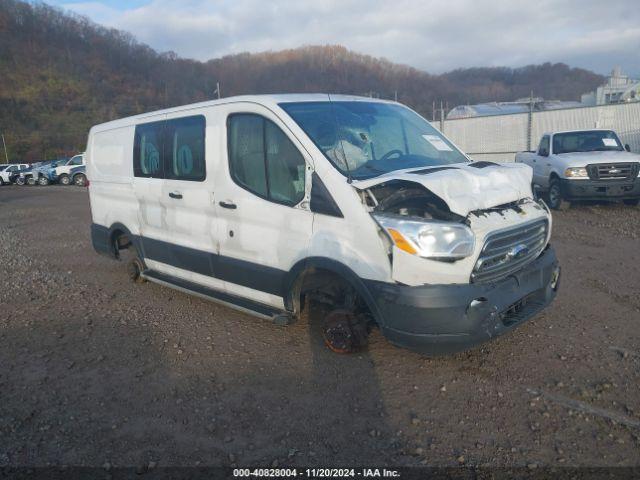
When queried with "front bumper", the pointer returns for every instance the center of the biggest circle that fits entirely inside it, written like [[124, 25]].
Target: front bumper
[[443, 319], [600, 190]]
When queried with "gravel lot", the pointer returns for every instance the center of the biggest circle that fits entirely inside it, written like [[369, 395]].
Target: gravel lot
[[97, 371]]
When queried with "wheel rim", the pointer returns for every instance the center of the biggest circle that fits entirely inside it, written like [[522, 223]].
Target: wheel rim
[[80, 180], [64, 180], [337, 332]]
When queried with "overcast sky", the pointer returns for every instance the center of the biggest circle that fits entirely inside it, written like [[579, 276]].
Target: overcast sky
[[432, 35]]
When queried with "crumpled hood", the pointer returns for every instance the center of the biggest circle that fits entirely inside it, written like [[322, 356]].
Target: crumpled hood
[[585, 158], [465, 188]]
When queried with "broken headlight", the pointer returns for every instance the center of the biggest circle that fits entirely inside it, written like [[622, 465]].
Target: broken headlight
[[429, 239]]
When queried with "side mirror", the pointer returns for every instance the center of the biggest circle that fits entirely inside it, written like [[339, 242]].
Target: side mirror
[[627, 147]]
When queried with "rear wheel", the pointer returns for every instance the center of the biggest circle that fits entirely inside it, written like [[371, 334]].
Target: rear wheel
[[632, 202], [43, 181], [64, 180], [126, 251], [31, 181], [20, 181], [80, 180], [554, 196]]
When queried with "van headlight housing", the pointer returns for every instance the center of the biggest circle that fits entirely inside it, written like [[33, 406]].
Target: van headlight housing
[[432, 239], [576, 172]]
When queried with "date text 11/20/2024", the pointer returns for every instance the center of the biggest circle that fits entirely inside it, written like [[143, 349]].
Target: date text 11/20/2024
[[316, 472]]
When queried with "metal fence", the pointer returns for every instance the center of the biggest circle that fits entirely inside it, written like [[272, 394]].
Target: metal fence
[[499, 137]]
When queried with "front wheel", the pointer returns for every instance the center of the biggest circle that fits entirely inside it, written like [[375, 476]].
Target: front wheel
[[64, 180], [344, 332], [80, 180], [31, 181], [554, 196], [43, 181], [633, 202], [20, 181]]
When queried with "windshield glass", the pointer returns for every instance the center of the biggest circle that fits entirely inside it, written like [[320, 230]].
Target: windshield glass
[[367, 139], [589, 141]]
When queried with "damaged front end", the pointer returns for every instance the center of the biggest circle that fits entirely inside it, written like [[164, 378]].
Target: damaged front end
[[437, 234], [464, 272]]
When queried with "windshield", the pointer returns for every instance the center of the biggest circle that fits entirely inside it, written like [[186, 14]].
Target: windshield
[[367, 139], [589, 141]]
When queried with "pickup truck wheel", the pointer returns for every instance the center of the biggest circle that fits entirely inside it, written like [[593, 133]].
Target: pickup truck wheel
[[31, 181], [64, 179], [20, 181], [632, 201], [80, 180], [43, 181], [1, 182], [554, 196]]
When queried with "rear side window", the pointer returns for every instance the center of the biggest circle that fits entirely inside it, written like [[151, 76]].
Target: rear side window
[[263, 160], [171, 149], [184, 149], [147, 150]]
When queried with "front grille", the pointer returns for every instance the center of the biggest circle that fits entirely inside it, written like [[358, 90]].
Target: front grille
[[613, 171], [508, 251]]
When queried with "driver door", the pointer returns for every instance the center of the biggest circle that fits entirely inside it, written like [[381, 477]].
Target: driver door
[[262, 203]]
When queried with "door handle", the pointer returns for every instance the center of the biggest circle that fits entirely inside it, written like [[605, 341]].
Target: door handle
[[175, 195], [229, 205]]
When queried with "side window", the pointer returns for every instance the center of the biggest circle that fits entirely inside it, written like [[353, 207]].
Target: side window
[[544, 146], [184, 149], [263, 160], [77, 160], [147, 150]]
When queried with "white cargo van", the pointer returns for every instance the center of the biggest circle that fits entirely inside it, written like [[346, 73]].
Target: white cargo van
[[260, 202]]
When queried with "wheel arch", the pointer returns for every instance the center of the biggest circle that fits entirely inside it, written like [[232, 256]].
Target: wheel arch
[[296, 277]]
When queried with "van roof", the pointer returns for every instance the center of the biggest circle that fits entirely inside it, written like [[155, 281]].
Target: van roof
[[270, 100]]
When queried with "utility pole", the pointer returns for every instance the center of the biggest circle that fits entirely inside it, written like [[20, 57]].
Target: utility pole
[[217, 90], [530, 121], [395, 95], [6, 156]]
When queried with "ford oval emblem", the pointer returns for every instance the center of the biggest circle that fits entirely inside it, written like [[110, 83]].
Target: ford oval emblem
[[518, 251]]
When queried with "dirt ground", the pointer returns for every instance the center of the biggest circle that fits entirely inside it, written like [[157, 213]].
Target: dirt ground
[[97, 371]]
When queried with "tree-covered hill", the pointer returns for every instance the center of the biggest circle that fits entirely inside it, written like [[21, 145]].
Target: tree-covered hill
[[61, 73]]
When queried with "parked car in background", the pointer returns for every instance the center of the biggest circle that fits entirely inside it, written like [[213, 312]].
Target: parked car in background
[[39, 175], [358, 203], [9, 172], [60, 173], [77, 176], [584, 165]]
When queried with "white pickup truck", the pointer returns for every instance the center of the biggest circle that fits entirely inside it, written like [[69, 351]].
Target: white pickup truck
[[584, 165]]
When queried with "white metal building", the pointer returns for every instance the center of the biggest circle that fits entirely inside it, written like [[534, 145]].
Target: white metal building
[[618, 89]]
